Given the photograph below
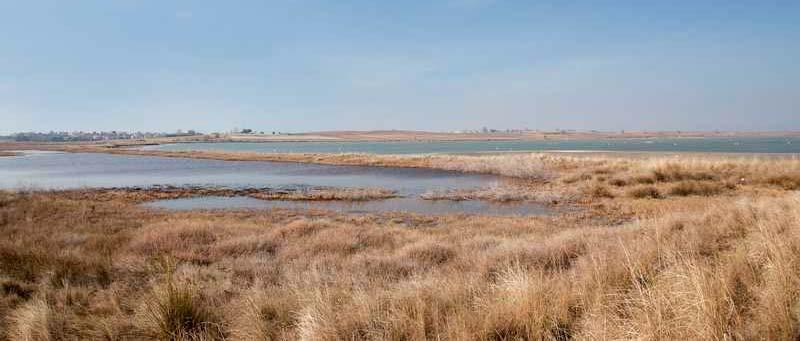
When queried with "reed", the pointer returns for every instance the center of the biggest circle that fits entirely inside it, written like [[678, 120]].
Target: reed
[[716, 257]]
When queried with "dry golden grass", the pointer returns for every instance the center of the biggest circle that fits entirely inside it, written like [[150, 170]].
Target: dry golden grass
[[644, 191], [716, 257], [508, 192], [83, 269]]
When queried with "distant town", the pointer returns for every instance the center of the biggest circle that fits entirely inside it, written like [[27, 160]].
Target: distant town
[[76, 136]]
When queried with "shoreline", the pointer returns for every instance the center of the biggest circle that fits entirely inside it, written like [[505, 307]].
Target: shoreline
[[377, 160], [425, 136]]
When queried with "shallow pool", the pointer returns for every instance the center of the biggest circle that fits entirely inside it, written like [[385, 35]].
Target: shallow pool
[[90, 170], [409, 204]]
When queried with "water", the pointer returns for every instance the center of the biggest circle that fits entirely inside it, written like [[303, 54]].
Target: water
[[79, 170], [76, 170], [414, 205], [709, 144]]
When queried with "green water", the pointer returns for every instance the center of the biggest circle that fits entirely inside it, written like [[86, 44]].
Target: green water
[[711, 144]]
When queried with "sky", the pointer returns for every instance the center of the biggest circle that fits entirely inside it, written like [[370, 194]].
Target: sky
[[444, 65]]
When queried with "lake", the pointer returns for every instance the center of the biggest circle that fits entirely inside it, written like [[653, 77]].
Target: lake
[[53, 170], [710, 144], [408, 204]]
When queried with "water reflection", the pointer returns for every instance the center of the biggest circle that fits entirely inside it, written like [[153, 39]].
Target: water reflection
[[76, 170], [413, 205]]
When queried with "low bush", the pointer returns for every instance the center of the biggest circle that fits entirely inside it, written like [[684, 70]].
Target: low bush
[[785, 181], [641, 192], [675, 172], [644, 179], [702, 188], [599, 191], [618, 182]]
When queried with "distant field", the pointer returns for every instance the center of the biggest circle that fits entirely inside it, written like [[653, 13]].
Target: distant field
[[401, 135]]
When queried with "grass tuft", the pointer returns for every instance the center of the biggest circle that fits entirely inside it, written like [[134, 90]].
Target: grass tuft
[[33, 321], [174, 312], [703, 188], [599, 191], [644, 191]]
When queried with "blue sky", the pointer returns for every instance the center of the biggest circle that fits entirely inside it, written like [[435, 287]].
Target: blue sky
[[430, 65]]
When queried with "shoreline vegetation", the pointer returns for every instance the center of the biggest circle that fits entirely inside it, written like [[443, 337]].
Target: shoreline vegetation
[[152, 193], [663, 247]]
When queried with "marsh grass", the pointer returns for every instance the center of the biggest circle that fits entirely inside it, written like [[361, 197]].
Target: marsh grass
[[143, 194], [693, 187], [179, 312], [503, 194], [327, 194], [644, 191], [706, 266]]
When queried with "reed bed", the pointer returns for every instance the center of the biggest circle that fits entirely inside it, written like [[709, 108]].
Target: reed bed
[[661, 248], [143, 194], [328, 194], [83, 269]]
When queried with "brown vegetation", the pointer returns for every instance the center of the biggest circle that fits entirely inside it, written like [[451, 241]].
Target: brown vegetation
[[328, 193], [142, 194], [717, 257], [693, 187], [509, 192], [644, 191], [86, 269]]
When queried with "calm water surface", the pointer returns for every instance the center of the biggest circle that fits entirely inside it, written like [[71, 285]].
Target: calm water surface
[[711, 144], [75, 170], [410, 204], [48, 170]]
